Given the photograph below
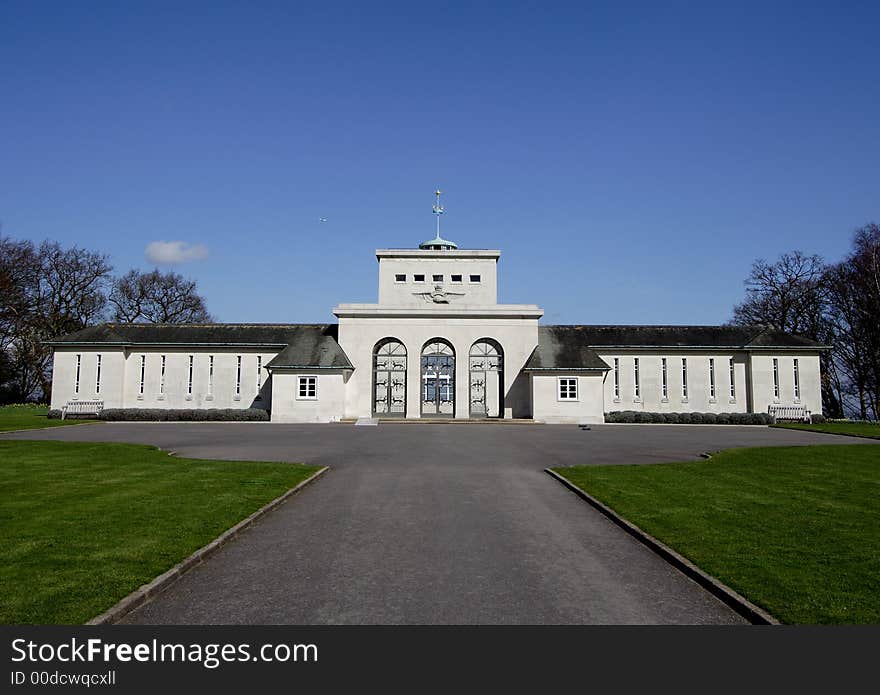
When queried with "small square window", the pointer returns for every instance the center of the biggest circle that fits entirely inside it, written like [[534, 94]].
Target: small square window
[[307, 388], [568, 389], [400, 277], [418, 278], [437, 278], [456, 278], [475, 279]]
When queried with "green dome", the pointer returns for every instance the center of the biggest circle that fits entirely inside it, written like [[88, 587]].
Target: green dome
[[438, 244]]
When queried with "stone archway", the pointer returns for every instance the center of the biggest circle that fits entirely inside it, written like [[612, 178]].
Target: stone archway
[[389, 378], [486, 379], [438, 379]]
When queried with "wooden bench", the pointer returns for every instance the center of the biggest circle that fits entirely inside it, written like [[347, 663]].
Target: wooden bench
[[793, 413], [80, 408]]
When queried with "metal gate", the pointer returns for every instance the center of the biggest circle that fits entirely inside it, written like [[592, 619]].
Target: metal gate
[[389, 379], [438, 379], [486, 366]]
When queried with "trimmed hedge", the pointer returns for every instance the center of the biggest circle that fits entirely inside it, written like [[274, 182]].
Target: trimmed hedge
[[185, 415], [628, 416], [54, 414], [817, 419]]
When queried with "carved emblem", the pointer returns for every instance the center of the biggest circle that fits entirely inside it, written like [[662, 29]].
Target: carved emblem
[[438, 295]]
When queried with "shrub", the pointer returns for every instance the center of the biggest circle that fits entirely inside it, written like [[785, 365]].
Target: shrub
[[184, 415], [817, 419], [722, 418], [54, 414], [684, 418], [696, 418], [709, 418], [672, 418]]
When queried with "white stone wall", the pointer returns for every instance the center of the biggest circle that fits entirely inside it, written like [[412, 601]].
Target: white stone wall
[[64, 376], [359, 336], [698, 393], [588, 408], [445, 263], [327, 406], [763, 387]]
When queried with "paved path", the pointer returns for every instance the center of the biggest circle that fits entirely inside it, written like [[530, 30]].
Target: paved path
[[435, 524]]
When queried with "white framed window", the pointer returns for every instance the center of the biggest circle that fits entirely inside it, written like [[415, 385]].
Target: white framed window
[[637, 386], [238, 375], [162, 376], [210, 375], [98, 374], [143, 375], [475, 279], [712, 378], [259, 373], [456, 279], [437, 278], [189, 380], [775, 379], [400, 277], [616, 378], [76, 379], [568, 388], [418, 277], [684, 377], [797, 380], [732, 380], [664, 379], [307, 388]]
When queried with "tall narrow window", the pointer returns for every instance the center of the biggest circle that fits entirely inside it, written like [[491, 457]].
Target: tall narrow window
[[664, 381], [143, 374], [211, 375], [259, 373], [797, 381], [637, 389], [712, 378], [617, 377], [775, 378], [98, 374], [238, 376], [732, 380], [162, 376], [76, 381], [684, 377], [189, 381]]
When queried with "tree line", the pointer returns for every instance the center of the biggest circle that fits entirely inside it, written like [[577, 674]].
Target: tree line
[[47, 290], [836, 304]]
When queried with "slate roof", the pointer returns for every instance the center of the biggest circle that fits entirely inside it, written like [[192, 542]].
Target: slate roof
[[573, 347], [301, 345]]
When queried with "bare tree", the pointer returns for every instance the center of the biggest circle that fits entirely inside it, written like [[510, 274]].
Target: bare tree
[[157, 298], [47, 291], [791, 295]]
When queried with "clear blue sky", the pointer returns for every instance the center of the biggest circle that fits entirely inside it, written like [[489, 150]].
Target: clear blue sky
[[629, 159]]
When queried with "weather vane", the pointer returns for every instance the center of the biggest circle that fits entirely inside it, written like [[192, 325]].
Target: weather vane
[[438, 209]]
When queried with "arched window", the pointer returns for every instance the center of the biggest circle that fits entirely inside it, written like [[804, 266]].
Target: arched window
[[438, 379], [389, 378], [486, 367]]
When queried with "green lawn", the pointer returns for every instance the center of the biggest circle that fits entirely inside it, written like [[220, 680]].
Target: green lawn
[[855, 429], [82, 525], [796, 530], [29, 417]]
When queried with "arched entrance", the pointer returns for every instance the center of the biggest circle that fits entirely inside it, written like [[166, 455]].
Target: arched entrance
[[438, 379], [486, 365], [389, 378]]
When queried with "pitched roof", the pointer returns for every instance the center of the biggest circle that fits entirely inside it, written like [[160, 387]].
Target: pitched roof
[[681, 336], [573, 347], [277, 334], [304, 345]]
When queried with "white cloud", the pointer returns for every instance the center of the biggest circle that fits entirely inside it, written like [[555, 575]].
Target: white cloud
[[174, 252]]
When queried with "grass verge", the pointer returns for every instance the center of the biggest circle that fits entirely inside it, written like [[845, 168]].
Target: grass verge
[[795, 530], [30, 417], [852, 429], [85, 524]]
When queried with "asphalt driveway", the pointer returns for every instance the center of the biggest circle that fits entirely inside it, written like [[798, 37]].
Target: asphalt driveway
[[435, 524]]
